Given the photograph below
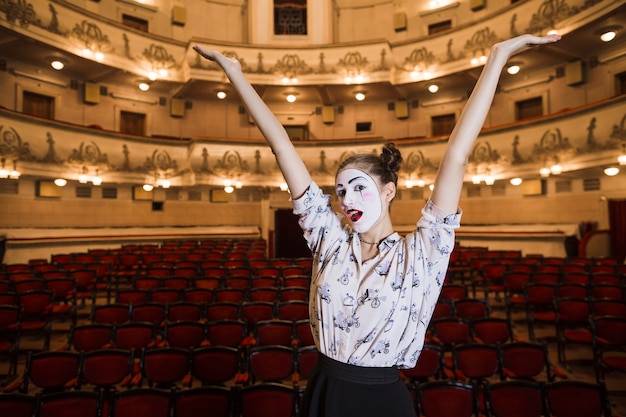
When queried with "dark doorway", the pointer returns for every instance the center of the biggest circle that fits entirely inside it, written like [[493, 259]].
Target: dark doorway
[[288, 239]]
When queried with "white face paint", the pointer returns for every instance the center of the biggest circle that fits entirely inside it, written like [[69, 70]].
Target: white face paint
[[360, 198]]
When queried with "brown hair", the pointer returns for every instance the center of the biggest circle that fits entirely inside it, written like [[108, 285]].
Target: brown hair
[[384, 167]]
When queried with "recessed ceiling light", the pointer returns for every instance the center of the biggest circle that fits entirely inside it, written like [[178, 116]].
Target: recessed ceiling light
[[513, 69], [144, 86], [221, 94], [359, 96], [57, 64], [433, 88]]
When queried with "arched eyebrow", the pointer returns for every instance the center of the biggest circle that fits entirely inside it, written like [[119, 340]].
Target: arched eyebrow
[[356, 178]]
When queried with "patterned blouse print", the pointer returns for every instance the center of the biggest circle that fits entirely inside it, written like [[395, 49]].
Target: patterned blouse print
[[375, 312]]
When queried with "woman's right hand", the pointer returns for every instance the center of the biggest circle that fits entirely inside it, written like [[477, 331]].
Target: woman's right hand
[[221, 60]]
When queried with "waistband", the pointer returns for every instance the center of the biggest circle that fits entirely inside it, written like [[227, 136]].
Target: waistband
[[358, 374]]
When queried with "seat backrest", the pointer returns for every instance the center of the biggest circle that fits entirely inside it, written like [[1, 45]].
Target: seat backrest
[[136, 402], [576, 398], [215, 365], [447, 398], [192, 402], [514, 398], [70, 404]]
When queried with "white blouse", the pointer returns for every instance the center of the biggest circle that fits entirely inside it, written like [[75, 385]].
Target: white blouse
[[375, 312]]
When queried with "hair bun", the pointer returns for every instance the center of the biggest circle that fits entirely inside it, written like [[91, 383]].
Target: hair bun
[[391, 158]]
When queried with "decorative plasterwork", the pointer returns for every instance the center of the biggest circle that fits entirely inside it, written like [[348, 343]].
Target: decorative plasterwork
[[12, 147], [67, 27], [518, 150], [88, 155]]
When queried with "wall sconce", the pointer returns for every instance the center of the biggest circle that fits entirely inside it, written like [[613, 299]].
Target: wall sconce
[[163, 183], [9, 173], [228, 188], [622, 158], [556, 169]]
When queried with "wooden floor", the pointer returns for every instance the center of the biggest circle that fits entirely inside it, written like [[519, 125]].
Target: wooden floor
[[578, 367]]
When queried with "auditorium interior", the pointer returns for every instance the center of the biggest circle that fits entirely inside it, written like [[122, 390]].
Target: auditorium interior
[[144, 220]]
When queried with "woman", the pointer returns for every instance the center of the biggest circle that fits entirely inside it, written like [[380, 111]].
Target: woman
[[373, 291]]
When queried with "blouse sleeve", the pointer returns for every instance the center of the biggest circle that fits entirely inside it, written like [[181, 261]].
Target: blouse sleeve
[[430, 245], [320, 224]]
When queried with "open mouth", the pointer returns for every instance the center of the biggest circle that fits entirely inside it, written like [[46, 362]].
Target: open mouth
[[354, 215]]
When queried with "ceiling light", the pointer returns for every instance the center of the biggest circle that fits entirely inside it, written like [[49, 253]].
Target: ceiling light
[[96, 181], [489, 180], [553, 32], [359, 96], [433, 88], [99, 56], [144, 86], [544, 172], [60, 182], [608, 36], [148, 187], [291, 98], [221, 95], [82, 178], [409, 183], [57, 64], [513, 69], [283, 186], [152, 76], [229, 189], [516, 181], [420, 183], [611, 171]]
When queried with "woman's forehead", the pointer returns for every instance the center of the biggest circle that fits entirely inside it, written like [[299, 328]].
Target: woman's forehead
[[349, 175]]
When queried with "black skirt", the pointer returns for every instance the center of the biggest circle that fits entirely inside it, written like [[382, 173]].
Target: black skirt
[[337, 389]]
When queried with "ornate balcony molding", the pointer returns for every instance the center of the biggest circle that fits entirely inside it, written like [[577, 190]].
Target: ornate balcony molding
[[515, 150], [85, 34]]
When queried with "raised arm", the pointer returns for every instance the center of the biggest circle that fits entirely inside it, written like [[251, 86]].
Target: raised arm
[[449, 181], [295, 172]]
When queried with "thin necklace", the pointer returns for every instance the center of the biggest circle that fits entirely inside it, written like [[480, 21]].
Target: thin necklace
[[365, 241]]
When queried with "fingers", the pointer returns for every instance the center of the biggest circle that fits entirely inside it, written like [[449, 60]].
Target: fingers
[[204, 52]]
